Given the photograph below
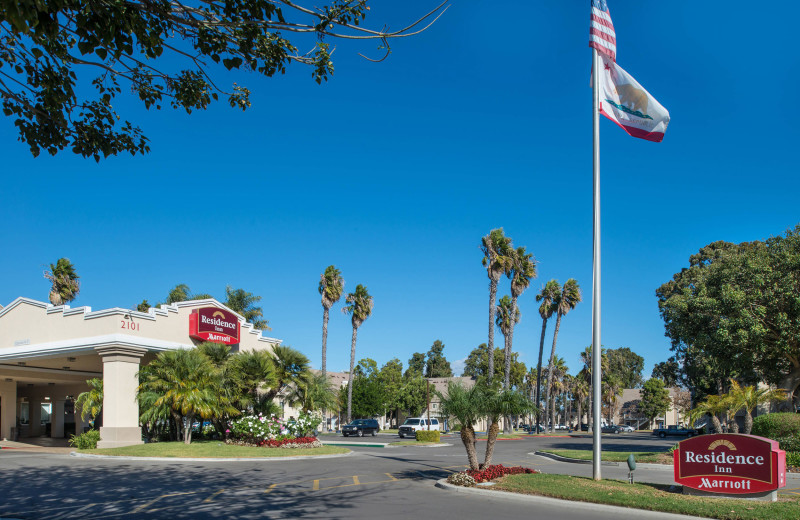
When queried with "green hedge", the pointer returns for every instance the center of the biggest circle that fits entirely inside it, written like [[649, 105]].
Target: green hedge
[[85, 441], [428, 436], [777, 425]]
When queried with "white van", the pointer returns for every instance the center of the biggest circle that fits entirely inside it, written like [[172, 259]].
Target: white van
[[415, 424]]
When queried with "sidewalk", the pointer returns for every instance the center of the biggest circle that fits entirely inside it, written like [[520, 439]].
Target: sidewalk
[[39, 444]]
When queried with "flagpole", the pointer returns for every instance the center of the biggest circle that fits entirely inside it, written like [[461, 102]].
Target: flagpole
[[596, 348]]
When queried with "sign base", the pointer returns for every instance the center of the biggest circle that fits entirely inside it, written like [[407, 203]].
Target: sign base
[[764, 496]]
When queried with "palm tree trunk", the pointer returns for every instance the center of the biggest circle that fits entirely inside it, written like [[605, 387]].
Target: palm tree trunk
[[580, 414], [491, 440], [748, 423], [492, 298], [350, 376], [716, 423], [507, 374], [325, 314], [468, 438], [539, 376], [552, 359]]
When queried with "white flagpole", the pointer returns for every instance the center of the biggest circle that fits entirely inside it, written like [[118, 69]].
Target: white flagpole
[[596, 348]]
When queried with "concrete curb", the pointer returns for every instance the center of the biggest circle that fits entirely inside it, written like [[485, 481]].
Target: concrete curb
[[440, 445], [565, 505], [195, 459], [351, 443]]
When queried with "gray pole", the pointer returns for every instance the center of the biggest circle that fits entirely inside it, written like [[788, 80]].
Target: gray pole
[[596, 348]]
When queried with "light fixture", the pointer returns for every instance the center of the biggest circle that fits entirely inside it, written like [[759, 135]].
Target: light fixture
[[65, 368], [72, 359], [46, 398], [8, 380], [21, 363]]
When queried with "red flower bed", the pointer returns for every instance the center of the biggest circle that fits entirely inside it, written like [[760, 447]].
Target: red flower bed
[[276, 443], [496, 471]]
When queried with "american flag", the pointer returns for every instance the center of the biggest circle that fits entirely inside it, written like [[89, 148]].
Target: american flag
[[602, 36]]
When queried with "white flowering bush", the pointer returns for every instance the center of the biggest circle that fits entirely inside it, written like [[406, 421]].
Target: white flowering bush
[[304, 425], [255, 429]]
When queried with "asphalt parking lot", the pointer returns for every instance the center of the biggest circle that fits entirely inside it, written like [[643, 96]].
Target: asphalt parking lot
[[371, 483]]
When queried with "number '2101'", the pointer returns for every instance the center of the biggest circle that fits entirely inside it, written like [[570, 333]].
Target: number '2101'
[[129, 325]]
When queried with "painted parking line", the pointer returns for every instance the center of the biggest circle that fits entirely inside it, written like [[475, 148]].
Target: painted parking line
[[213, 496], [148, 504]]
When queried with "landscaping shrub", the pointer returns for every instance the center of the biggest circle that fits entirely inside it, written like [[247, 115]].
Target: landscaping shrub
[[460, 479], [777, 425], [85, 441], [428, 436], [793, 459], [497, 471]]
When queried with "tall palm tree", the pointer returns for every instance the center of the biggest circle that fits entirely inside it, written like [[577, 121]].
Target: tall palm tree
[[359, 307], [65, 282], [613, 387], [547, 296], [750, 397], [497, 259], [566, 301], [522, 272], [331, 287], [507, 316]]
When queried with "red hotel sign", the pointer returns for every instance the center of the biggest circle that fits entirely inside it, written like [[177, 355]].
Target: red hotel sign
[[213, 324], [730, 464]]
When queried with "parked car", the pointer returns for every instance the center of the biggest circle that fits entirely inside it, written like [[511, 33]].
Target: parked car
[[609, 428], [626, 428], [674, 429], [361, 427], [560, 427], [415, 424]]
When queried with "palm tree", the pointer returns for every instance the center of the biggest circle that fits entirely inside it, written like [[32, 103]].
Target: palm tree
[[313, 393], [65, 284], [556, 374], [291, 367], [244, 303], [523, 271], [613, 386], [249, 372], [581, 391], [505, 320], [501, 404], [750, 397], [547, 296], [566, 301], [497, 259], [331, 287], [713, 406], [359, 306], [466, 406], [90, 402], [187, 382]]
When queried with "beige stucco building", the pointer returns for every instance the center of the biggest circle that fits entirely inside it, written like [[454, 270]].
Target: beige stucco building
[[48, 352]]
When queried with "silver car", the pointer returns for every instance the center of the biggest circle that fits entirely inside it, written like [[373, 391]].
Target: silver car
[[626, 428]]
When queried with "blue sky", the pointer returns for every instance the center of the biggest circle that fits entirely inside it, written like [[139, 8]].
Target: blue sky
[[393, 172]]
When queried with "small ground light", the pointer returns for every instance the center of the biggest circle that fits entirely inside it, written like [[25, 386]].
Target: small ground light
[[631, 467]]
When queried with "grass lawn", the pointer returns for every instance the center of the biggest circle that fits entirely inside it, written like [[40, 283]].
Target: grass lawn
[[648, 496], [211, 449], [655, 457], [391, 430]]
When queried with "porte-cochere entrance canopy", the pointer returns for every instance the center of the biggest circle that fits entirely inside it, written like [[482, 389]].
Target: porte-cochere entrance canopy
[[48, 352]]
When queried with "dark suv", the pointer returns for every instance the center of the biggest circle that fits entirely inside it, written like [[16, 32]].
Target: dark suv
[[361, 427]]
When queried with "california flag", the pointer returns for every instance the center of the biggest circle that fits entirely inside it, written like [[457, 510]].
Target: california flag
[[625, 102]]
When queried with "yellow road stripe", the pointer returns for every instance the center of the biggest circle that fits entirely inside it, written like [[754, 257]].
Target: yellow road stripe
[[316, 485], [355, 480], [270, 488], [390, 476], [209, 499], [148, 504]]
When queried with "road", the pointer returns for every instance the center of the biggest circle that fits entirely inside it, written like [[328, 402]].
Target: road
[[372, 483]]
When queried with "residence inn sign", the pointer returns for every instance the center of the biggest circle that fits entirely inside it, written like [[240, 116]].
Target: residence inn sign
[[730, 464], [214, 324]]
